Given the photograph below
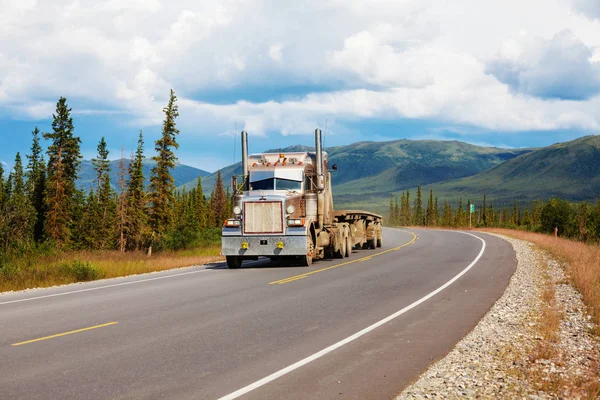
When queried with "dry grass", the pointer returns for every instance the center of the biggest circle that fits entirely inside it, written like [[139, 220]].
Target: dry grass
[[35, 272], [581, 262]]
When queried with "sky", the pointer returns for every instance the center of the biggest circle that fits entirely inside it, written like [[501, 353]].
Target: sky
[[501, 73]]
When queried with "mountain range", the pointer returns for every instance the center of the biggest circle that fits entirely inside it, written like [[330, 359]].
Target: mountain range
[[181, 174], [368, 172]]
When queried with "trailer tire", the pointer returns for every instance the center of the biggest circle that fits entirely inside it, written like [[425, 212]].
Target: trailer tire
[[234, 262], [379, 242], [348, 247], [371, 244]]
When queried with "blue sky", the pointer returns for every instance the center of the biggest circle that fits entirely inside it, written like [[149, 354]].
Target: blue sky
[[492, 73]]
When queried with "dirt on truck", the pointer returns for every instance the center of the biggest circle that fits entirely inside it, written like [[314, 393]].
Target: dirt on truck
[[283, 210]]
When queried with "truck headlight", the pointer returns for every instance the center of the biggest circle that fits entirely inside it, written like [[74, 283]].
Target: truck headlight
[[237, 210], [290, 209], [295, 222], [232, 223]]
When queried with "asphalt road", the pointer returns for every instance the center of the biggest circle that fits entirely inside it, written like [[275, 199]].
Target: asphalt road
[[363, 327]]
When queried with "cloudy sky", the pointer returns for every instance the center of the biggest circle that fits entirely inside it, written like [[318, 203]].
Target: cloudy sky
[[505, 73]]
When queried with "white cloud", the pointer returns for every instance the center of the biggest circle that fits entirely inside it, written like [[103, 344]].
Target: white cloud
[[380, 59], [559, 68], [590, 8]]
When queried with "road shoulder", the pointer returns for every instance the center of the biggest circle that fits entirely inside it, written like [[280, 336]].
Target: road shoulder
[[514, 351]]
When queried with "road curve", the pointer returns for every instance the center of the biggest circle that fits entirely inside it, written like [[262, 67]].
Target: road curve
[[362, 327]]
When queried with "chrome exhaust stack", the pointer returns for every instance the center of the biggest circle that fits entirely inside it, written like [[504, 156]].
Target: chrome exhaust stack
[[246, 179]]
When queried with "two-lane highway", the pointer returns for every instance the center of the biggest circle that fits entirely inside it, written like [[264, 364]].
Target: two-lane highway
[[362, 327]]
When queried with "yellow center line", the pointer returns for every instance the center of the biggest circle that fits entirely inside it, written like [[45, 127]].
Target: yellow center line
[[369, 257], [65, 333]]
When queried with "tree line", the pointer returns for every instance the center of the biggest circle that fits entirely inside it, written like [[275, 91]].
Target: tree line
[[575, 221], [41, 204]]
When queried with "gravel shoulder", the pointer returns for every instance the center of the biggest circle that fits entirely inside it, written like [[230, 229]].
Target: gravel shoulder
[[511, 353]]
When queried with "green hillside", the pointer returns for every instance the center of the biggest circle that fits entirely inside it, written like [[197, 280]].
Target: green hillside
[[181, 174], [568, 170], [379, 168]]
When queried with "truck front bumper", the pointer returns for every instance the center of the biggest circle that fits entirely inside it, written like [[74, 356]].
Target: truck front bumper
[[264, 246]]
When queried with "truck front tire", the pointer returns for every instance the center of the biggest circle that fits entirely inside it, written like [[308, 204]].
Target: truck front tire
[[307, 260], [234, 262]]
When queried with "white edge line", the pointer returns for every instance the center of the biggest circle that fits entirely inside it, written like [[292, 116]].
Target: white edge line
[[106, 286], [357, 335]]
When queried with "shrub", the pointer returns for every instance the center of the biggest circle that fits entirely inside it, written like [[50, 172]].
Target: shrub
[[82, 271]]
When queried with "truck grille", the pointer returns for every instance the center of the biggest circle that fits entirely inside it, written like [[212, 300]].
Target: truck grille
[[263, 217]]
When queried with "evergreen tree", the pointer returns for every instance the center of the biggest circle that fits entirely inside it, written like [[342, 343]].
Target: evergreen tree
[[408, 210], [101, 166], [430, 217], [36, 184], [137, 219], [460, 216], [515, 215], [2, 186], [18, 215], [419, 218], [162, 186], [484, 211], [122, 207], [104, 220], [392, 210], [396, 213], [436, 213], [218, 202], [64, 159], [448, 219], [200, 206], [402, 213]]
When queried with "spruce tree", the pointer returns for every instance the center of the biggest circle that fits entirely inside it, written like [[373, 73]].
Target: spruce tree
[[200, 206], [396, 213], [392, 210], [104, 220], [430, 208], [64, 159], [17, 213], [484, 211], [402, 213], [162, 186], [36, 184], [408, 216], [460, 215], [436, 213], [137, 219], [218, 202], [448, 219], [101, 166], [419, 215]]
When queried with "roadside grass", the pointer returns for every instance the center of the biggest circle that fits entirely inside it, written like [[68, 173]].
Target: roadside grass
[[580, 260], [35, 271], [582, 264]]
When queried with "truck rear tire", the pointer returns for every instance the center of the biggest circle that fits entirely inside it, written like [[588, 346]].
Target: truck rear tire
[[371, 244], [234, 262], [379, 242], [343, 251]]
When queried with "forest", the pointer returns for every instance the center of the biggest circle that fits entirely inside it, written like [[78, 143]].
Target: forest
[[573, 221]]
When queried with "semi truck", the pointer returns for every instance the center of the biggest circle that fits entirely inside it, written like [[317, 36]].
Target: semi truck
[[283, 210]]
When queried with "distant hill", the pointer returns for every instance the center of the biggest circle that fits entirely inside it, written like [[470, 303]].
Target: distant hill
[[568, 170], [378, 168], [181, 174]]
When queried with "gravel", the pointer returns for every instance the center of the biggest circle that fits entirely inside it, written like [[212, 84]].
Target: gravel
[[494, 360]]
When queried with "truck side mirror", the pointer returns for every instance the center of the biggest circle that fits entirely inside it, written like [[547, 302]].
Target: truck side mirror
[[334, 167]]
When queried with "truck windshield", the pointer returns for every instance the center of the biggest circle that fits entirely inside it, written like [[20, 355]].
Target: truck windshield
[[276, 184]]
